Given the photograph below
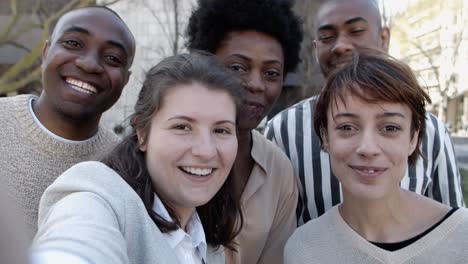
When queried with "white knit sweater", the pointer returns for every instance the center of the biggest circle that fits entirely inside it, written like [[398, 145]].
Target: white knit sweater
[[91, 212]]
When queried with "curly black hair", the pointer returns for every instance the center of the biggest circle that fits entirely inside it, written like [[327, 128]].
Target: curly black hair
[[212, 20]]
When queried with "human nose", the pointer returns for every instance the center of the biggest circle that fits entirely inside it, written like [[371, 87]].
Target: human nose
[[368, 145], [254, 82], [343, 45], [204, 146], [89, 62]]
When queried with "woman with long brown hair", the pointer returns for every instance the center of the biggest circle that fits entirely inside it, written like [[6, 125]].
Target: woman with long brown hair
[[163, 195]]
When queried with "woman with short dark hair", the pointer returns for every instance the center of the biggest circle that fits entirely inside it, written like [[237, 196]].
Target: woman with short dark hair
[[370, 118]]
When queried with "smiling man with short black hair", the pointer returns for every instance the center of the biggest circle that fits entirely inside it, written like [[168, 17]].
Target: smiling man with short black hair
[[85, 66]]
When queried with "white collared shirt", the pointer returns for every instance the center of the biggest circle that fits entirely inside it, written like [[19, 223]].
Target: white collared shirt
[[190, 247]]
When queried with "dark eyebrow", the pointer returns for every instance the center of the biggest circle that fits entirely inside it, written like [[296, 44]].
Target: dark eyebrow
[[193, 120], [345, 115], [391, 114], [384, 115], [182, 117], [326, 27], [347, 22], [355, 20], [77, 29], [249, 59], [114, 43], [226, 121]]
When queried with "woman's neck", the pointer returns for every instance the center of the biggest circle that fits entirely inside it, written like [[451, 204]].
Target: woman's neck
[[376, 220], [398, 217], [184, 214]]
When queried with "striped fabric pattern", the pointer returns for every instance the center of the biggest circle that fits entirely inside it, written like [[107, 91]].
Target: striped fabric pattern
[[292, 130]]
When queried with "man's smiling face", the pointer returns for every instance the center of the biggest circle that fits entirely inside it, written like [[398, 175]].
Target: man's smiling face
[[344, 27], [86, 63]]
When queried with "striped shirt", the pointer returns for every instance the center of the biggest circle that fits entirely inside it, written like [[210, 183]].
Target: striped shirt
[[293, 131]]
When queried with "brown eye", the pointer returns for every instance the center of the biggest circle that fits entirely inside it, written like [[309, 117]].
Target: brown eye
[[222, 131], [71, 44], [237, 67], [114, 60]]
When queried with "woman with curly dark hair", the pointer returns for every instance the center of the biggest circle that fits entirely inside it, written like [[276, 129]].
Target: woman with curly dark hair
[[260, 41], [164, 194]]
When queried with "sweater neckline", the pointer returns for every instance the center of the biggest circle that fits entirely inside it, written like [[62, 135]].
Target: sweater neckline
[[45, 142], [400, 256], [404, 243]]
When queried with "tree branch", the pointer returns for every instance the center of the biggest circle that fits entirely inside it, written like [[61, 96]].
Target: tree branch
[[15, 85], [19, 46]]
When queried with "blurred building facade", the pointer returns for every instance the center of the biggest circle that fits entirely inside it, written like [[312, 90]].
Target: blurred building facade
[[431, 36], [158, 27], [22, 33]]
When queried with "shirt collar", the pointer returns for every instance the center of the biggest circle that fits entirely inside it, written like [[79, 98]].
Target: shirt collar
[[194, 227]]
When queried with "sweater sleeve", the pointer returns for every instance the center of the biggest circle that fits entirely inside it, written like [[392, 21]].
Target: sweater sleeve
[[78, 218]]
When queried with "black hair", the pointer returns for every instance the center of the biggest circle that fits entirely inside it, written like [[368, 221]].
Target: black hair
[[212, 20]]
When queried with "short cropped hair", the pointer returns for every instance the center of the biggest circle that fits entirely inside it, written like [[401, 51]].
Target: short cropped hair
[[374, 77], [212, 20]]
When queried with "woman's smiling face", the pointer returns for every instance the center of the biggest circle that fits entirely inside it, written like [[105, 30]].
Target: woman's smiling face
[[191, 145], [369, 145]]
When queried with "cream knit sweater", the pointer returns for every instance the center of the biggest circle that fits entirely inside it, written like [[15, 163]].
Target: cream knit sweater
[[31, 159], [328, 239]]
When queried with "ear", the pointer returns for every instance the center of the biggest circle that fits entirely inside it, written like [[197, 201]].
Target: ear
[[314, 42], [127, 77], [385, 38], [413, 143], [45, 50], [325, 145], [141, 140]]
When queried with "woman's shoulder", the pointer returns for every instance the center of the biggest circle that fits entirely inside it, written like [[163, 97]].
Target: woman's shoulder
[[89, 174], [89, 177]]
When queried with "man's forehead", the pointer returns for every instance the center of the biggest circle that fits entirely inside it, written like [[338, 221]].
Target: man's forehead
[[343, 11], [90, 19], [97, 22]]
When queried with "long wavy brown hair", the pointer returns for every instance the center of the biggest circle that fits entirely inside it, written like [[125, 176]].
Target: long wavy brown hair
[[221, 217]]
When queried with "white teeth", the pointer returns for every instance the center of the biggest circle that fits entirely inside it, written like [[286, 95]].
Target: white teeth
[[371, 171], [81, 86], [197, 171]]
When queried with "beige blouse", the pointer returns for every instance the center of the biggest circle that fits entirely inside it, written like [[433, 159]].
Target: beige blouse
[[269, 204]]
